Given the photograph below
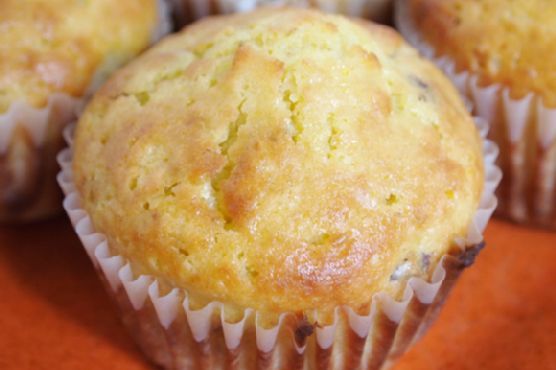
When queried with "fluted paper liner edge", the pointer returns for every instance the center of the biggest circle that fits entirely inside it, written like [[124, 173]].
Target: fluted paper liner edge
[[142, 289]]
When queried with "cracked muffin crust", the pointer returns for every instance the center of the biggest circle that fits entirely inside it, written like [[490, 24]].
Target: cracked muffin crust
[[283, 160]]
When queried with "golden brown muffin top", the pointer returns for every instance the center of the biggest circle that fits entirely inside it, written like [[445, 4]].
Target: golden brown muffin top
[[512, 43], [283, 160], [49, 46]]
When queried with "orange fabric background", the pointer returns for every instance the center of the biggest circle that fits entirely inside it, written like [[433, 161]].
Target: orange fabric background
[[55, 315]]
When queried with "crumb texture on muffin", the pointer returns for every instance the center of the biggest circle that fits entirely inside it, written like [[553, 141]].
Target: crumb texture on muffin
[[49, 46], [283, 160], [504, 42]]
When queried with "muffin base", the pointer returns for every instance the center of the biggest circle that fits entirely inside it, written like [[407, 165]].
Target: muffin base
[[30, 139], [177, 336], [524, 129]]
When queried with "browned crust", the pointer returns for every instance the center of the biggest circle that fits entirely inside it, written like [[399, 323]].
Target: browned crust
[[507, 43], [272, 203]]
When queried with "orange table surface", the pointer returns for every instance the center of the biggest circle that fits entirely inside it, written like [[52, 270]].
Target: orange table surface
[[54, 313]]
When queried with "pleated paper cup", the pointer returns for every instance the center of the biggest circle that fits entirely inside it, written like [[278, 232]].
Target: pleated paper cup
[[187, 11], [524, 129], [179, 336], [31, 137]]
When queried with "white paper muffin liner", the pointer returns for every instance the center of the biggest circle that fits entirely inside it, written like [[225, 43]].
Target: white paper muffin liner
[[191, 10], [524, 129], [176, 336], [31, 137]]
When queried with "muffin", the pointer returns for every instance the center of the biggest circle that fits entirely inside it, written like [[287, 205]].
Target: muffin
[[278, 189], [501, 55], [189, 10], [53, 54]]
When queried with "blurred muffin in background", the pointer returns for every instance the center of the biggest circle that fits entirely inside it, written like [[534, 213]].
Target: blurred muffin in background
[[53, 54], [502, 56], [279, 189], [187, 11]]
